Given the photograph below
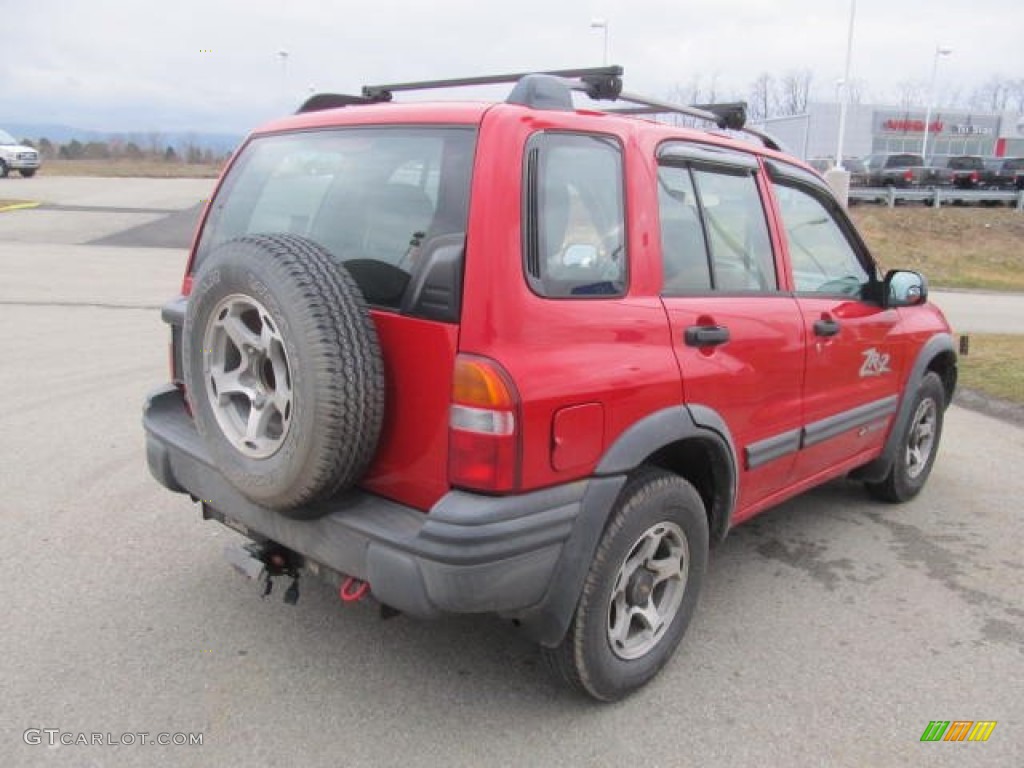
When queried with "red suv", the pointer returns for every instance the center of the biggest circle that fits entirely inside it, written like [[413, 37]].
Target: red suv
[[533, 359]]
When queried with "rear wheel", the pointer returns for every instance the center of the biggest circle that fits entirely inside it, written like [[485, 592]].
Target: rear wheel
[[918, 444], [3, 170], [641, 590]]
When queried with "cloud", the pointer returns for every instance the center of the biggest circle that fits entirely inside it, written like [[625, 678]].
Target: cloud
[[213, 65]]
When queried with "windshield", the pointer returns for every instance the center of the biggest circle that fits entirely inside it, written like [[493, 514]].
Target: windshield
[[378, 199], [6, 138]]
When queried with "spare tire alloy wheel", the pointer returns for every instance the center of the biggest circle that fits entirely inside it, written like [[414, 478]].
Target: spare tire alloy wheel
[[283, 370], [248, 379]]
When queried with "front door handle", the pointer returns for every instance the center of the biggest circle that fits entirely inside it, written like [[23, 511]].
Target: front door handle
[[705, 335], [826, 327]]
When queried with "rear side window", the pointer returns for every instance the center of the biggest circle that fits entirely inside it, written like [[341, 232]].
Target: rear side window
[[378, 199], [574, 232]]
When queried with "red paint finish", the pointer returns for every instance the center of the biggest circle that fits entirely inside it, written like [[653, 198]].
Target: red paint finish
[[412, 459], [577, 436], [862, 364], [561, 353], [754, 381]]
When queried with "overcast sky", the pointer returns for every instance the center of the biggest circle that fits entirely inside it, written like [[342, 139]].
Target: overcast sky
[[213, 65]]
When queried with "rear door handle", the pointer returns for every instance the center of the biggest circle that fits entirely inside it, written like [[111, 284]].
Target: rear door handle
[[705, 335], [826, 327]]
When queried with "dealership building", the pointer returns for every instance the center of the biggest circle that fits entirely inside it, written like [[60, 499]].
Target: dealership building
[[876, 128]]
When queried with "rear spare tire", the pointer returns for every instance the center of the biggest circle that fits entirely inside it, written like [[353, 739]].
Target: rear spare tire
[[283, 371]]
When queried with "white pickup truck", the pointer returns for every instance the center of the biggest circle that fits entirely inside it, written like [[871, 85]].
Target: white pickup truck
[[16, 157]]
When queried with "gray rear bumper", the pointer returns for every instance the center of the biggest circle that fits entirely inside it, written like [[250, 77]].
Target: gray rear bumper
[[523, 556]]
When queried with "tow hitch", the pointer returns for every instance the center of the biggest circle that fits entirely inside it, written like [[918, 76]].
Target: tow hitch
[[264, 562]]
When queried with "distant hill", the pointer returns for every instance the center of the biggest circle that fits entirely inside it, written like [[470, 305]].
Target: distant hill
[[219, 143]]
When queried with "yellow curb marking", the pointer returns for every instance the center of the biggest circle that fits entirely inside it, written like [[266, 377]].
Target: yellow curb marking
[[18, 207]]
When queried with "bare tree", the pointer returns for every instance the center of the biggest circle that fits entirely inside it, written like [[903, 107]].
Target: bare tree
[[910, 93], [762, 97], [690, 93], [992, 96], [857, 91], [795, 90], [154, 143], [1017, 95]]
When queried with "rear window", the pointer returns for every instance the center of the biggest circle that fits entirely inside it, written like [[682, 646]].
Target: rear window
[[904, 161], [1017, 164], [966, 163], [381, 200]]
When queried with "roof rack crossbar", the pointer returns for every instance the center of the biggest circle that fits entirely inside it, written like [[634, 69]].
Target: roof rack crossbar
[[550, 90], [590, 75], [728, 116], [731, 115]]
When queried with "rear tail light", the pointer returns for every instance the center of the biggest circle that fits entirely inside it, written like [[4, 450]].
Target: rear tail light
[[908, 175], [483, 427], [974, 177]]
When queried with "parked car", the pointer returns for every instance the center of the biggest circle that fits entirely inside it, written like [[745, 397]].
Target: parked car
[[1004, 173], [532, 360], [903, 169], [854, 165], [966, 171], [17, 157]]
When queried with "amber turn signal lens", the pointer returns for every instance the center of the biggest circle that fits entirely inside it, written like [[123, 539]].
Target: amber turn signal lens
[[479, 383]]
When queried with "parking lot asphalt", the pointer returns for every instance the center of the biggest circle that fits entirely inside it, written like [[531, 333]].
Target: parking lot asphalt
[[833, 629]]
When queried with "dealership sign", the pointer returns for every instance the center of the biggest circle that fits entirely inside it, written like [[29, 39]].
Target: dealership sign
[[911, 126], [960, 125]]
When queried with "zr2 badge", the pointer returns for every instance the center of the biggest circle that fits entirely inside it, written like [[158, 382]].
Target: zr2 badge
[[875, 363]]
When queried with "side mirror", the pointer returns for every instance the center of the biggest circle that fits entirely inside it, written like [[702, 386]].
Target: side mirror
[[904, 288]]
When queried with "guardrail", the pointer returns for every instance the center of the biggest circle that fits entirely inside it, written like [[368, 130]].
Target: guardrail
[[936, 196]]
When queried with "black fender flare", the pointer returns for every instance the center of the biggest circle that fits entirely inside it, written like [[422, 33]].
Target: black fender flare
[[548, 622], [671, 425], [876, 470]]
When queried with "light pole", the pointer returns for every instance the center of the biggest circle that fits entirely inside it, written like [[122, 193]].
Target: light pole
[[603, 25], [939, 51], [844, 88], [283, 55]]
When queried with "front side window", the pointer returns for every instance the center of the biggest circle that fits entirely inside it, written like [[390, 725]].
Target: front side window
[[823, 259], [574, 232], [375, 198]]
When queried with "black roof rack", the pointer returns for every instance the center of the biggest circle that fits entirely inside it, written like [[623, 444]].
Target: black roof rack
[[553, 90], [598, 80]]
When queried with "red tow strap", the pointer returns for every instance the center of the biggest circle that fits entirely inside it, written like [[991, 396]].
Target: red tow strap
[[353, 590]]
